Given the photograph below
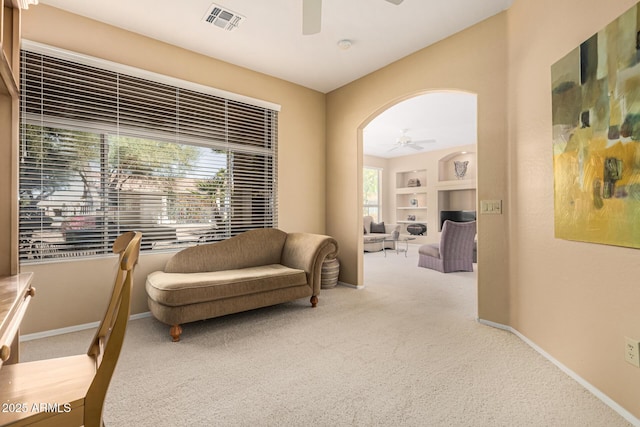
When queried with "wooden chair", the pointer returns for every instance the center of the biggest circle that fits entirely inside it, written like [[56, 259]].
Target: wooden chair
[[70, 391]]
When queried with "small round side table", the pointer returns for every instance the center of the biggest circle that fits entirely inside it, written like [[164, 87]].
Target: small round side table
[[329, 273]]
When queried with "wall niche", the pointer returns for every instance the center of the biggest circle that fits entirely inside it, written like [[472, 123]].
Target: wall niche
[[457, 185]]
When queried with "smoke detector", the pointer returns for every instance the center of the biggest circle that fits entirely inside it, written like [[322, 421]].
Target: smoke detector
[[344, 44], [222, 17]]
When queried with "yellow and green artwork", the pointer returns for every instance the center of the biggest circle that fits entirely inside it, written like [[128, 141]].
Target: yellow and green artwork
[[596, 136]]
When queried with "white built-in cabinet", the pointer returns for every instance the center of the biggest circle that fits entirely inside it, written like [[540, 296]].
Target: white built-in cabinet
[[411, 198], [420, 194]]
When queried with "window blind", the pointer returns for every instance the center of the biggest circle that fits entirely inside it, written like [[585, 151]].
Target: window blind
[[102, 152]]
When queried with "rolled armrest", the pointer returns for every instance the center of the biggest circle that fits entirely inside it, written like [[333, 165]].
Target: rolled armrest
[[306, 251]]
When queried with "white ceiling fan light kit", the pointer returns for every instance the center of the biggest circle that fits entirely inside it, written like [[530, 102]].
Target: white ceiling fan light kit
[[405, 141], [312, 15]]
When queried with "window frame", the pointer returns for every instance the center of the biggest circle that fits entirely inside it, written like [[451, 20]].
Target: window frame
[[378, 205]]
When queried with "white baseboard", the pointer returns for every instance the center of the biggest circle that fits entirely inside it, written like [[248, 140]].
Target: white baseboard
[[349, 285], [76, 328], [584, 383]]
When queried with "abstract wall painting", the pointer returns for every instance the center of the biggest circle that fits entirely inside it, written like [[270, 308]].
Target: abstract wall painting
[[596, 136]]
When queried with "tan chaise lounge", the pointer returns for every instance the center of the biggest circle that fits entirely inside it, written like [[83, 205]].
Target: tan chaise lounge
[[256, 269]]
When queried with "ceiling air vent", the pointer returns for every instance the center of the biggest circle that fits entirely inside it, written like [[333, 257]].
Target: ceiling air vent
[[222, 18]]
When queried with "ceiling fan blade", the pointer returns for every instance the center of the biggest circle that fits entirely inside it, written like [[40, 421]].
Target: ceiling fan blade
[[396, 2], [395, 147], [311, 16], [424, 141], [415, 147]]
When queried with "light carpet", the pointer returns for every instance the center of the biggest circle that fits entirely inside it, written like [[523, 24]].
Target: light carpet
[[405, 351]]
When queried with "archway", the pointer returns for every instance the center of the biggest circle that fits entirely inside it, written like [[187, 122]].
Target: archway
[[417, 139]]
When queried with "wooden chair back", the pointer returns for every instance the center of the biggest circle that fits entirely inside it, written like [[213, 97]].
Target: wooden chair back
[[107, 343], [76, 383]]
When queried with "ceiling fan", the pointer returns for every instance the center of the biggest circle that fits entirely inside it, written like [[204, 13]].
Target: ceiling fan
[[312, 15], [405, 141]]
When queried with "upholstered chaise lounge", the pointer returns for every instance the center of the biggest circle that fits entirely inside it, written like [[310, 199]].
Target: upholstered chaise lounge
[[255, 269]]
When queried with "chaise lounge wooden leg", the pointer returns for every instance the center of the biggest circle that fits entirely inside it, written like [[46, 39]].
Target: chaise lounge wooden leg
[[314, 301], [175, 332]]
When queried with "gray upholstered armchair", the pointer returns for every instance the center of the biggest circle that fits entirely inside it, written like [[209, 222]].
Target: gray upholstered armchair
[[455, 251]]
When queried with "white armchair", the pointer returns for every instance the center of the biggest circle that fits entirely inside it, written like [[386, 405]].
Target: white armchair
[[374, 239]]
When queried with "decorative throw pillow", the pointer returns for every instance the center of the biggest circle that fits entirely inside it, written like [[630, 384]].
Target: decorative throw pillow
[[377, 227]]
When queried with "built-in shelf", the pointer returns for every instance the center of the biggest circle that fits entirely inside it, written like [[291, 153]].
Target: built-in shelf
[[411, 198], [413, 179], [408, 203], [411, 190], [456, 193], [469, 183]]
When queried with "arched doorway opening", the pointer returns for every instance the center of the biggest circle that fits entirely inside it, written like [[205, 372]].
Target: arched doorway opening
[[412, 145]]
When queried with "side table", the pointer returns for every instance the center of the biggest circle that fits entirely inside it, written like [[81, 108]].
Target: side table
[[329, 273], [396, 241]]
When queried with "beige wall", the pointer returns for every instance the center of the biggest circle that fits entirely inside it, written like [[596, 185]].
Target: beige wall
[[72, 293], [472, 61], [575, 300]]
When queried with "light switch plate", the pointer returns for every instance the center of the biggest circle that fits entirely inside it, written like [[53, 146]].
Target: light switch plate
[[491, 207]]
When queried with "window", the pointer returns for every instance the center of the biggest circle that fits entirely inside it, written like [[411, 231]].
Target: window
[[103, 152], [371, 188]]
